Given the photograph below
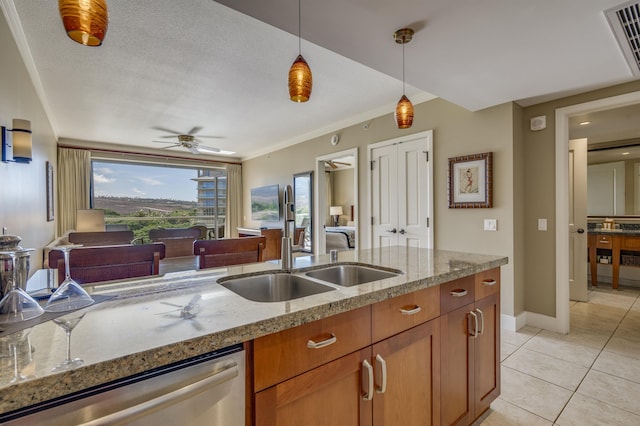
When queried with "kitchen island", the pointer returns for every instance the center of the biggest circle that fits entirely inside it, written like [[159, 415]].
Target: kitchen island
[[141, 328]]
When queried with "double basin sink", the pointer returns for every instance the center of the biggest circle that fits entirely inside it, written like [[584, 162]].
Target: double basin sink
[[281, 286]]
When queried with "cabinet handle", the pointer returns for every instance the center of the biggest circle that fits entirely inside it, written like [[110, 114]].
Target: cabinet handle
[[367, 373], [489, 282], [410, 309], [481, 331], [382, 367], [474, 333], [322, 344], [458, 292]]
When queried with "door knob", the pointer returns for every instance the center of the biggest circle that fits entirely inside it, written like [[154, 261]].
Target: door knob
[[580, 231], [402, 231], [393, 231]]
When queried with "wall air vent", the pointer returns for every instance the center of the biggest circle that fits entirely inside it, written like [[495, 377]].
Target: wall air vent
[[625, 23]]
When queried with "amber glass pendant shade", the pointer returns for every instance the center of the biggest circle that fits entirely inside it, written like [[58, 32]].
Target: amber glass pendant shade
[[300, 80], [85, 21], [404, 113]]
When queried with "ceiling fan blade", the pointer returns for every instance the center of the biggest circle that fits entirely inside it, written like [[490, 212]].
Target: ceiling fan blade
[[162, 129], [340, 162], [210, 137], [194, 150], [195, 130], [163, 141], [208, 148], [172, 146], [331, 164], [168, 137]]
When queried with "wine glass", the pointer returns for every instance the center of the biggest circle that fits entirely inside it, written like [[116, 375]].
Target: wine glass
[[70, 295], [68, 323], [20, 338], [17, 305]]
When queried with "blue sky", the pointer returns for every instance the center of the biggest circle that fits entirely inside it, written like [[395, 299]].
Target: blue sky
[[134, 180]]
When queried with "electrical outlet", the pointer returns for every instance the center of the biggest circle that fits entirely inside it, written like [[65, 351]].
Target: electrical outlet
[[542, 224], [490, 224]]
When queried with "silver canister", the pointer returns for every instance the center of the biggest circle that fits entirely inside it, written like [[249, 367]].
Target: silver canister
[[9, 247]]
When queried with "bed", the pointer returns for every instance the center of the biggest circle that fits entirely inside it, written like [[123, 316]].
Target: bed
[[340, 237]]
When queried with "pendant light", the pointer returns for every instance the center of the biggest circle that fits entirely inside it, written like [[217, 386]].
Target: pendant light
[[85, 21], [404, 109], [300, 79]]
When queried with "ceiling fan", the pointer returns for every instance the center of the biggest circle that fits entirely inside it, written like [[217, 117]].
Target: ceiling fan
[[334, 164], [189, 140]]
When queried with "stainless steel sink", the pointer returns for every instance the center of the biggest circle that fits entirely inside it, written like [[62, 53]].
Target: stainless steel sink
[[277, 287], [349, 275]]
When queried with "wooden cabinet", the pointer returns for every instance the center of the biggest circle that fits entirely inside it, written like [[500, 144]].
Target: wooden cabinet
[[470, 347], [391, 363], [273, 245]]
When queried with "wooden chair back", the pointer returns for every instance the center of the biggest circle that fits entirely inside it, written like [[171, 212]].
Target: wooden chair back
[[178, 241], [230, 251], [94, 264], [298, 239], [111, 238]]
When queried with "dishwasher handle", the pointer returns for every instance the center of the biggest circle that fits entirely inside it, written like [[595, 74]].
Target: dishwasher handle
[[231, 370]]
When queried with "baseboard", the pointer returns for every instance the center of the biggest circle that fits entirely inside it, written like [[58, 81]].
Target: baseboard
[[543, 321], [511, 323]]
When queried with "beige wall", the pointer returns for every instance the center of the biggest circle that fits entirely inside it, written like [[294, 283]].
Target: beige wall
[[23, 186], [456, 132], [539, 152]]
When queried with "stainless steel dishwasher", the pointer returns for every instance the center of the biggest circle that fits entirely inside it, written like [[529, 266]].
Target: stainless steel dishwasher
[[207, 390]]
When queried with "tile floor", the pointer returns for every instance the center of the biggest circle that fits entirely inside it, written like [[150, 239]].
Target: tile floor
[[589, 377]]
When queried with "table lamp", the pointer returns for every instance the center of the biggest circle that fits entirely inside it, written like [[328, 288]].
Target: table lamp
[[335, 211]]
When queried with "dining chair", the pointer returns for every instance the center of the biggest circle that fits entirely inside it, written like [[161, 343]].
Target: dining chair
[[230, 251]]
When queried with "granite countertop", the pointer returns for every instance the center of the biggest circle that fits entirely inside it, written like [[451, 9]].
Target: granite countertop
[[141, 328], [614, 231]]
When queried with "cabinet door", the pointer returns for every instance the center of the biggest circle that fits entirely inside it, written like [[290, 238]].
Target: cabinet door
[[409, 365], [456, 378], [331, 394], [487, 353]]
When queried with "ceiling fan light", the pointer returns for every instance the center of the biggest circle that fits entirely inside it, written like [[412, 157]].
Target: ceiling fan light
[[300, 80], [85, 21], [404, 113]]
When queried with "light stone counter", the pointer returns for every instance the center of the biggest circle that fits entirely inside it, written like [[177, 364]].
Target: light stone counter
[[141, 328]]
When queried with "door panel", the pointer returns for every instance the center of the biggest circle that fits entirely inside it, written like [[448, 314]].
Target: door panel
[[385, 195], [487, 354], [578, 220], [413, 204]]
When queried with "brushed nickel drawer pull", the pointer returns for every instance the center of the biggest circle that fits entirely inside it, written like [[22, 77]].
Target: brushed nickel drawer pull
[[367, 373], [489, 282], [458, 292], [382, 367], [410, 309], [474, 333], [322, 344]]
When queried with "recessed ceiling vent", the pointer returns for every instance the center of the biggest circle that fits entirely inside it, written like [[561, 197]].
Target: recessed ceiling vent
[[625, 23]]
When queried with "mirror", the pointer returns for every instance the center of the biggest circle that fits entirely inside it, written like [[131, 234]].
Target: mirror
[[613, 171], [303, 202]]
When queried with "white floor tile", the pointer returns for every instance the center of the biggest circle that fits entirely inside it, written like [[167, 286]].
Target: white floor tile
[[612, 390], [504, 413], [553, 370], [580, 336], [532, 394], [520, 337], [618, 365], [585, 411], [506, 349], [624, 347], [564, 350]]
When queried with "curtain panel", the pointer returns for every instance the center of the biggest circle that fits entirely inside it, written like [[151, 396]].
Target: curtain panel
[[234, 200], [74, 186]]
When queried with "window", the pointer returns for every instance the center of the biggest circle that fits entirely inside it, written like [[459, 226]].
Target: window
[[146, 196]]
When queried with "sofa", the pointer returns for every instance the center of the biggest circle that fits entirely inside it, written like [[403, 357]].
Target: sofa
[[178, 241]]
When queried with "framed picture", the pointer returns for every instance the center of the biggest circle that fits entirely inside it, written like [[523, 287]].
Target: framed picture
[[471, 181], [50, 192]]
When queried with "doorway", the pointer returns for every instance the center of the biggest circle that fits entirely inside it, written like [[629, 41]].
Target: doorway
[[561, 322], [323, 203]]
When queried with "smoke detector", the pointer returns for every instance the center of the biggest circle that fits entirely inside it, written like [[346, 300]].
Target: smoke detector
[[625, 24]]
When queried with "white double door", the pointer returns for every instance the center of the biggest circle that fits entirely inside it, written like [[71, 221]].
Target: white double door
[[401, 192]]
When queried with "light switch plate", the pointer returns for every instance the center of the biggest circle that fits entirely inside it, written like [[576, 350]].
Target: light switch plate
[[490, 224], [542, 224]]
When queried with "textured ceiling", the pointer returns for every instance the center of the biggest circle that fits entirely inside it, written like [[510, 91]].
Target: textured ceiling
[[200, 63]]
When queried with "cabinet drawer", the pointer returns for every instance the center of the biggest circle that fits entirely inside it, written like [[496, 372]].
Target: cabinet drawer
[[630, 243], [404, 312], [604, 242], [282, 355], [487, 282], [457, 293]]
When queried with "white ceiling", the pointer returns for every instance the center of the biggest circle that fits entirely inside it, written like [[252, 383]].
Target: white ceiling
[[177, 64]]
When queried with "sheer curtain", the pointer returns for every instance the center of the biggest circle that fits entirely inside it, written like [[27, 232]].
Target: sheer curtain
[[74, 186], [234, 200]]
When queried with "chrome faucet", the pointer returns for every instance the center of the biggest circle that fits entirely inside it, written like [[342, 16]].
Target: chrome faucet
[[286, 255]]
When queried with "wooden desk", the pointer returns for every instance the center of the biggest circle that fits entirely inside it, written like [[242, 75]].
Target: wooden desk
[[272, 250], [623, 247]]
